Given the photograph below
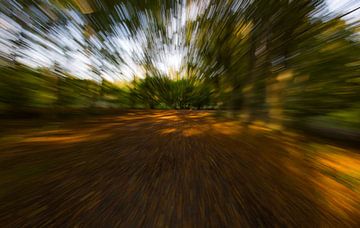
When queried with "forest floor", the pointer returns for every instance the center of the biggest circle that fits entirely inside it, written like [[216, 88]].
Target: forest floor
[[172, 169]]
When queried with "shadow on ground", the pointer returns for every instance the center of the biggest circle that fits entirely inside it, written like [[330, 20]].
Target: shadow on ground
[[172, 169]]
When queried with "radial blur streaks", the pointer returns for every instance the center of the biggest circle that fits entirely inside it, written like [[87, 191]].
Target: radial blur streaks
[[190, 113]]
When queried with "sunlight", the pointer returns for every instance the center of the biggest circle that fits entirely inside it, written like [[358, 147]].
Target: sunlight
[[189, 113]]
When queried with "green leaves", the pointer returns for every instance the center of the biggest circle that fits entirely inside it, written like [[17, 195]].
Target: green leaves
[[160, 91]]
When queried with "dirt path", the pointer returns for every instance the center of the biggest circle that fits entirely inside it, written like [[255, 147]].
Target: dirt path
[[172, 169]]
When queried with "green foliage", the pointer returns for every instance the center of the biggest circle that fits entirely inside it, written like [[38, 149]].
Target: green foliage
[[162, 92], [278, 61], [24, 88], [327, 78]]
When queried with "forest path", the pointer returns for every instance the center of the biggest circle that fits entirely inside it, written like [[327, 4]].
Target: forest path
[[172, 169]]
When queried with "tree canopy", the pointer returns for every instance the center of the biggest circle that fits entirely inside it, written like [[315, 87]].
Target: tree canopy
[[279, 61]]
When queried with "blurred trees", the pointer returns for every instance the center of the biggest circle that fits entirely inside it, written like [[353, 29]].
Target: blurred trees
[[278, 61], [162, 92], [23, 88], [282, 62]]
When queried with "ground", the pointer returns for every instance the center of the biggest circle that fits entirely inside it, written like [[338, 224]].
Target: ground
[[172, 169]]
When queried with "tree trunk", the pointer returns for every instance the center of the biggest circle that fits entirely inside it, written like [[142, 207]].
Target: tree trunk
[[275, 95]]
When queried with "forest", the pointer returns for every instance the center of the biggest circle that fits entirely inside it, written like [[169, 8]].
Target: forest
[[284, 63], [180, 113]]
